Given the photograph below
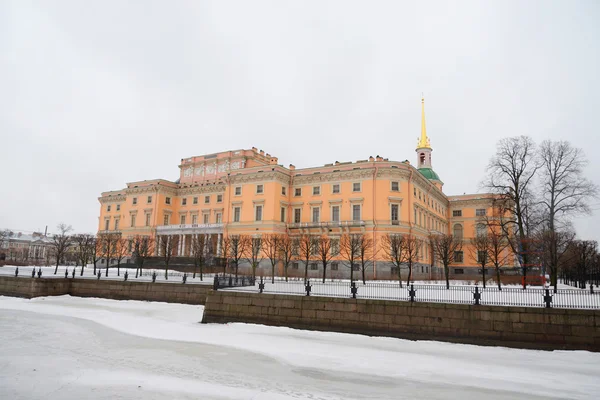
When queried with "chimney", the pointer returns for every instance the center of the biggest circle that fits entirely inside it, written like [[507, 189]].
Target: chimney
[[292, 167], [337, 163], [379, 158], [372, 159], [262, 153], [254, 149], [273, 161]]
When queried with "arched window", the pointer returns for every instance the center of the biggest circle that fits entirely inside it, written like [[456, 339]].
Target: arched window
[[458, 231], [481, 230]]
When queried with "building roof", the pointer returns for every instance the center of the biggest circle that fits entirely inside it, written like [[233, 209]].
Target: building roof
[[429, 174]]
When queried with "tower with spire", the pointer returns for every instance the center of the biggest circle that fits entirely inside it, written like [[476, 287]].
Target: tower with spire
[[424, 151]]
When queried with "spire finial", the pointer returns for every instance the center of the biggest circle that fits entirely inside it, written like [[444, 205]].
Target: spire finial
[[424, 140]]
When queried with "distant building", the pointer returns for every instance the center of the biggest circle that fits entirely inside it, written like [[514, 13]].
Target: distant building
[[248, 192], [28, 248]]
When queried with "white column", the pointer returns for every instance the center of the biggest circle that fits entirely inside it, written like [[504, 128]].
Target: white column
[[180, 245], [219, 244]]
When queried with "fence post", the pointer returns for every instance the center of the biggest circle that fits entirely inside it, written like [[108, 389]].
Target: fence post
[[308, 287], [591, 288], [99, 275], [548, 299], [216, 283], [125, 276], [476, 295], [353, 289], [412, 293], [261, 285], [66, 273]]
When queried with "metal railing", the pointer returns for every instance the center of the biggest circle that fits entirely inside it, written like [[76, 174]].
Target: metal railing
[[455, 294]]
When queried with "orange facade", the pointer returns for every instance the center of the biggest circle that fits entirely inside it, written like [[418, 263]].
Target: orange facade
[[248, 192]]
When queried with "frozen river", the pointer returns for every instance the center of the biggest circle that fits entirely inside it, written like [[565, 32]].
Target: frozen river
[[73, 348]]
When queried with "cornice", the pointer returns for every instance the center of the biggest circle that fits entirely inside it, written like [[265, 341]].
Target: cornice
[[201, 189], [347, 175], [259, 177], [112, 199]]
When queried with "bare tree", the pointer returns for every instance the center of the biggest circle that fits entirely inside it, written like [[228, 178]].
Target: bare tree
[[97, 252], [366, 255], [580, 256], [4, 235], [61, 242], [566, 193], [121, 250], [325, 253], [109, 243], [479, 251], [307, 250], [410, 253], [392, 245], [286, 253], [143, 247], [239, 245], [510, 177], [168, 244], [254, 253], [446, 248], [498, 250], [198, 252], [350, 251], [271, 246], [84, 247], [225, 251]]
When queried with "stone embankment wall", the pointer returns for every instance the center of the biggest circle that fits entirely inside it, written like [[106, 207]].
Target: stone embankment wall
[[107, 289], [521, 327]]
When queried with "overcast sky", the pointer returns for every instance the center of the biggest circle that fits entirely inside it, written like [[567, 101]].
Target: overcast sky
[[94, 94]]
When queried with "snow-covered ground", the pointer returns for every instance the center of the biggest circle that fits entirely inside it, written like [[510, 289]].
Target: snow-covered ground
[[80, 348]]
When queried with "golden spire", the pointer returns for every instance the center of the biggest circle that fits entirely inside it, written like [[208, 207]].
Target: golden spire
[[424, 141]]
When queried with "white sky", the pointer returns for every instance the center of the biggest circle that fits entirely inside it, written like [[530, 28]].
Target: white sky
[[94, 94]]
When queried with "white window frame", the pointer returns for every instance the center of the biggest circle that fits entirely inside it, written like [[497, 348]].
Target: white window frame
[[283, 191], [339, 186], [282, 214], [182, 219], [168, 200], [207, 199], [359, 212], [256, 208], [239, 216], [296, 192], [318, 189], [392, 213], [339, 207], [235, 191], [359, 187], [195, 200], [392, 186], [312, 214], [262, 188], [219, 198], [300, 215], [206, 218]]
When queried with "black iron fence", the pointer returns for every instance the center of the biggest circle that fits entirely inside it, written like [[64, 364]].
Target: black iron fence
[[229, 281], [455, 294]]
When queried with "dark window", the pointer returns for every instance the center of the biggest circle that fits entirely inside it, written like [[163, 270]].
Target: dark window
[[457, 213]]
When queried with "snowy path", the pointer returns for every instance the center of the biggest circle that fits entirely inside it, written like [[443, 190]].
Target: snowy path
[[72, 348]]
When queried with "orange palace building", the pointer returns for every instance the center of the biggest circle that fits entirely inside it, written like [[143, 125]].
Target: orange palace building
[[248, 192]]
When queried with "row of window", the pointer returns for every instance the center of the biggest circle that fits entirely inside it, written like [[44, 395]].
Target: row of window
[[427, 200], [479, 212], [194, 219], [425, 221], [334, 266]]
